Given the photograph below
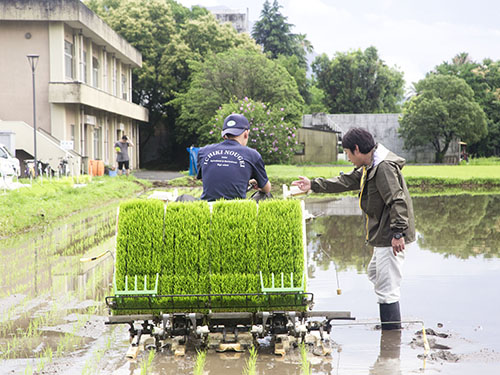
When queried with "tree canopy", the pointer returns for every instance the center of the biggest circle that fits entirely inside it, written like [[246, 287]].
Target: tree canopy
[[484, 79], [274, 34], [168, 36], [235, 74], [359, 82], [442, 109]]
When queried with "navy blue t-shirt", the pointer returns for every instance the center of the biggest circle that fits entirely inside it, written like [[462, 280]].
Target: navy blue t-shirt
[[226, 168]]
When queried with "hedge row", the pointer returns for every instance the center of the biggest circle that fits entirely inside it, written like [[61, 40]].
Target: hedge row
[[198, 249]]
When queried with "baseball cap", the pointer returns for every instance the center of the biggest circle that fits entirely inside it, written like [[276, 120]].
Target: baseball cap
[[235, 124]]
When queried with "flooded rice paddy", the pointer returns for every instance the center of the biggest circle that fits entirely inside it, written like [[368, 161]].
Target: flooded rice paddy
[[52, 311]]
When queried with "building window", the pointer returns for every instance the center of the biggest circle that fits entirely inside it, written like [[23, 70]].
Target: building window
[[97, 140], [95, 72], [68, 59], [72, 134], [124, 87], [84, 67], [115, 83]]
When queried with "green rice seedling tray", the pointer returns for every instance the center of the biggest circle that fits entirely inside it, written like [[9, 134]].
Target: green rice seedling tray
[[195, 256]]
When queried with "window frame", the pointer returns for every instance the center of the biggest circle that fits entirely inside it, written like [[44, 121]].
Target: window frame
[[69, 58]]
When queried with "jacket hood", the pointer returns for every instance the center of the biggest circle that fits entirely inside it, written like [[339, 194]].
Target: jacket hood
[[382, 153]]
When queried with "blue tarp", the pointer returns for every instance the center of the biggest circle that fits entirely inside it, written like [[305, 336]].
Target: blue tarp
[[193, 160]]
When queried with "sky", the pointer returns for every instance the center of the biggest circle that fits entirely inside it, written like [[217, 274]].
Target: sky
[[411, 35]]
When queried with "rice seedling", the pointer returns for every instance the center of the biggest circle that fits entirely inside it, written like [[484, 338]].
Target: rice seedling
[[28, 370], [146, 365], [251, 363], [201, 357], [196, 251], [233, 237], [305, 365]]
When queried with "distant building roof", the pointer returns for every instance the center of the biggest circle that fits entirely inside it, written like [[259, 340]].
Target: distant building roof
[[320, 121], [238, 18]]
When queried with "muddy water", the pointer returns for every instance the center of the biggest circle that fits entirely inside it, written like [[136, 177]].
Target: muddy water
[[451, 279], [50, 301], [52, 313]]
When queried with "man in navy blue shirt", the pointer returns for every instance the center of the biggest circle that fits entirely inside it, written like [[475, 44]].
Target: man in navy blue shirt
[[228, 167]]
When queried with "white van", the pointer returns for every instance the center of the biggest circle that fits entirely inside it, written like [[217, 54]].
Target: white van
[[9, 165]]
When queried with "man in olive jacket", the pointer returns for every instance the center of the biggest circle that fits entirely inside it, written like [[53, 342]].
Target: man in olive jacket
[[388, 209]]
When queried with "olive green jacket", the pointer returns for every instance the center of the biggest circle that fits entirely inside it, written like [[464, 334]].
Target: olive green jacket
[[385, 198]]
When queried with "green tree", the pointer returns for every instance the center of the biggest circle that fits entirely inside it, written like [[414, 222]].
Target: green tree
[[274, 34], [316, 99], [168, 36], [359, 82], [270, 134], [295, 69], [442, 109], [237, 73], [484, 79]]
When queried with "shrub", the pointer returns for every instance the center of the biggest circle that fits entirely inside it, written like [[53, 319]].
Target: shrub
[[270, 134]]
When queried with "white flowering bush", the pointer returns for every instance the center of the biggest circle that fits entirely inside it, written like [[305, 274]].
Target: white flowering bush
[[270, 132]]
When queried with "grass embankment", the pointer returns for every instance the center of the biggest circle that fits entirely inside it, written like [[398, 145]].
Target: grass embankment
[[45, 202], [480, 175], [419, 178]]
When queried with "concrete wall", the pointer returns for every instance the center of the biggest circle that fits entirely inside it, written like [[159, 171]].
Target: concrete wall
[[384, 128], [84, 94], [48, 148], [77, 15], [16, 90], [320, 147]]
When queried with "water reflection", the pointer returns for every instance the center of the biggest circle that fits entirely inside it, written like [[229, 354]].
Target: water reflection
[[388, 361], [49, 258], [451, 278], [461, 226]]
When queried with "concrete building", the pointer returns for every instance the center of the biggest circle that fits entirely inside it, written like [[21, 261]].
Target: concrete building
[[83, 82], [237, 18], [384, 128]]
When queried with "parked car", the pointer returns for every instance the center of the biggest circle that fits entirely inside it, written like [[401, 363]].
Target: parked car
[[9, 165]]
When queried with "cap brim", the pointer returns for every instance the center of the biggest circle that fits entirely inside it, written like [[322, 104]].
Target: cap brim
[[232, 131]]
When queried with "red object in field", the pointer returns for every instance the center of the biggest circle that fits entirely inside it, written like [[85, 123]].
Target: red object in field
[[96, 168]]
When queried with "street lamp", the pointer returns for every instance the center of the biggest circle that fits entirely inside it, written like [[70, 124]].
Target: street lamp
[[33, 60]]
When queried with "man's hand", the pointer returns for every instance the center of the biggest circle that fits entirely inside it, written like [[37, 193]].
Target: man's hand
[[398, 245], [303, 183], [253, 184]]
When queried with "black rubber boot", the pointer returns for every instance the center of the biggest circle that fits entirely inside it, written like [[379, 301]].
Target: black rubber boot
[[389, 312]]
